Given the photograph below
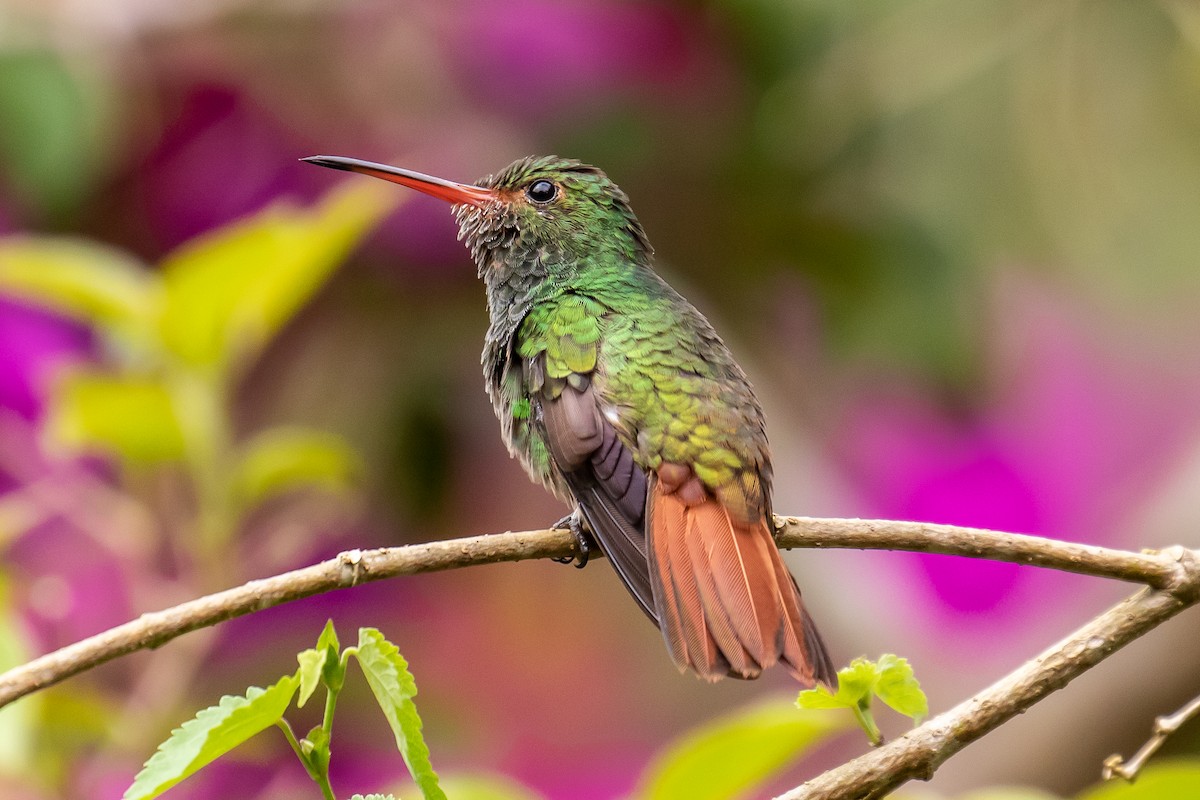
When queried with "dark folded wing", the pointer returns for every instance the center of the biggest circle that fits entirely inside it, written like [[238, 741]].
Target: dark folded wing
[[609, 487]]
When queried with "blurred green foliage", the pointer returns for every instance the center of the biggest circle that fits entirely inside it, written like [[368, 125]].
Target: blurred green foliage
[[178, 340], [182, 337], [52, 121], [733, 756]]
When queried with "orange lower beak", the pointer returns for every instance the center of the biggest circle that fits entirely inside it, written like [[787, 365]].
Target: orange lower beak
[[436, 187]]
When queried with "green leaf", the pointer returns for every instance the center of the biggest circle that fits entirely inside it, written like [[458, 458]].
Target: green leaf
[[890, 678], [898, 688], [855, 683], [328, 640], [334, 671], [321, 664], [312, 664], [394, 687], [52, 126], [486, 787], [88, 281], [283, 459], [19, 725], [315, 747], [818, 698], [132, 418], [732, 756], [211, 734], [1164, 780], [1009, 793], [230, 291]]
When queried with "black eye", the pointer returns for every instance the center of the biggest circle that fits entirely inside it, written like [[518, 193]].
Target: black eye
[[541, 191]]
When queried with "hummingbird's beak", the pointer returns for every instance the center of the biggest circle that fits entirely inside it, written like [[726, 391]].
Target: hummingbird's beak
[[437, 187]]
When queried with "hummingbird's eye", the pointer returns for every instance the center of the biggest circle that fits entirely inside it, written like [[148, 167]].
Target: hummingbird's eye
[[541, 191]]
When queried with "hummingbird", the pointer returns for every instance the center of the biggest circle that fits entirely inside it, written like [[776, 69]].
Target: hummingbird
[[617, 395]]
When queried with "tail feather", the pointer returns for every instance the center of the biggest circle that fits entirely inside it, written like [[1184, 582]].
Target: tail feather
[[804, 652], [725, 600], [741, 660], [677, 594]]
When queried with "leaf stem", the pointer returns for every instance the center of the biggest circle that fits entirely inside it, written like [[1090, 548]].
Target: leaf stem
[[286, 727], [320, 777], [331, 696], [326, 788], [862, 713]]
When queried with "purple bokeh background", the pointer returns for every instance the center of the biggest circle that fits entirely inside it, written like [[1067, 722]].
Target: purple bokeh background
[[1028, 366]]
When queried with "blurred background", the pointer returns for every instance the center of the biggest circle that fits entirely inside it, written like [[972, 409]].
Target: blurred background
[[953, 242]]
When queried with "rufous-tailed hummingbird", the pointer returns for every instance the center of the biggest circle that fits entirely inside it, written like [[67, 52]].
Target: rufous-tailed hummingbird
[[618, 396]]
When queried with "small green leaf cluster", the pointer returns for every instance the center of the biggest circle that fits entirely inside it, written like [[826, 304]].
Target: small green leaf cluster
[[218, 729], [890, 679]]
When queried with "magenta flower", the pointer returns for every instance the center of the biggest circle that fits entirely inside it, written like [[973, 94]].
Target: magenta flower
[[34, 343], [222, 156], [537, 56], [1076, 434]]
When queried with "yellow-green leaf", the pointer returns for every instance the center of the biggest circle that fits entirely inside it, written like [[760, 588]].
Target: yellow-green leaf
[[321, 664], [732, 756], [394, 688], [1008, 793], [19, 723], [86, 280], [230, 291], [899, 688], [312, 662], [287, 458], [486, 787], [1160, 781], [132, 418], [211, 734]]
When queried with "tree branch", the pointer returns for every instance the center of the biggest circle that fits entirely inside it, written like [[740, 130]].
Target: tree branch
[[1173, 578], [918, 753], [1151, 568], [1117, 767], [346, 569]]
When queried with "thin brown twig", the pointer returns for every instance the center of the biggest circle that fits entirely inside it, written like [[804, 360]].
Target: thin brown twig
[[1172, 576], [353, 567], [1151, 568], [156, 628], [918, 753], [1117, 767]]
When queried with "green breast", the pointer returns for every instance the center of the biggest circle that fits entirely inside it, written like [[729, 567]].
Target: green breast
[[663, 377]]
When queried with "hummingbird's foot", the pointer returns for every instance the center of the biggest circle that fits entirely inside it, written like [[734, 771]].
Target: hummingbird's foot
[[573, 522]]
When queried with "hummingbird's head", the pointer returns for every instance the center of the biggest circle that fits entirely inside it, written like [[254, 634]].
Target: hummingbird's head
[[539, 217]]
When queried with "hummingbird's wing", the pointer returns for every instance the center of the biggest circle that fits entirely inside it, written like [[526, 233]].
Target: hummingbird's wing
[[609, 487], [688, 531], [559, 351]]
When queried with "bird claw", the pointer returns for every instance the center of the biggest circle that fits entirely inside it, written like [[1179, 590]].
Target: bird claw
[[573, 522]]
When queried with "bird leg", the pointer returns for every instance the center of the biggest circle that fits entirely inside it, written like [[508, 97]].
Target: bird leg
[[584, 544]]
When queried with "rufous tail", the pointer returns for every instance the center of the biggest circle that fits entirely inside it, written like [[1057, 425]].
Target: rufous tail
[[725, 600]]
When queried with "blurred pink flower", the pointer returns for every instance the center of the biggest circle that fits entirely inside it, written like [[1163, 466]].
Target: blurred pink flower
[[70, 586], [33, 344], [1076, 433], [537, 56], [221, 157]]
